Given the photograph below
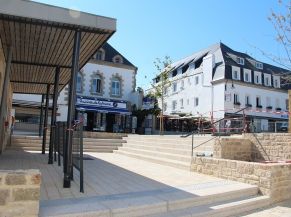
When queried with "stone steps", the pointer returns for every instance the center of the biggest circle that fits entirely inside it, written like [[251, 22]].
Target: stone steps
[[158, 154], [159, 160], [219, 200]]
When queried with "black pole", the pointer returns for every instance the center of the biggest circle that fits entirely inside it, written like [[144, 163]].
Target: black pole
[[71, 110], [53, 116], [45, 119], [41, 116]]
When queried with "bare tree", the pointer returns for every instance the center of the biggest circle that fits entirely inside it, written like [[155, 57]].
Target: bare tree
[[163, 68]]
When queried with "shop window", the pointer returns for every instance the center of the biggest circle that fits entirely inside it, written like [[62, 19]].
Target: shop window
[[115, 87]]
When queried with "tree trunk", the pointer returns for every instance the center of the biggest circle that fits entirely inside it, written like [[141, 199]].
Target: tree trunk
[[289, 101]]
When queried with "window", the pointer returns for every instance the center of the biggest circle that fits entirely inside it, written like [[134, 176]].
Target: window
[[268, 102], [98, 55], [240, 61], [259, 65], [115, 87], [287, 104], [236, 99], [196, 80], [165, 106], [196, 101], [96, 84], [258, 77], [248, 100], [174, 87], [188, 101], [189, 81], [247, 76], [117, 59], [181, 103], [235, 73], [267, 80], [276, 82], [182, 85], [165, 90], [174, 105], [79, 83], [258, 102]]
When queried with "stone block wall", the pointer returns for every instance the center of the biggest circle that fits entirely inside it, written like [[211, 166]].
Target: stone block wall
[[272, 179], [19, 193], [270, 146], [233, 149]]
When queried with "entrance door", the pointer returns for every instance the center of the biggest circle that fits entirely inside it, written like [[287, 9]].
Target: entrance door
[[90, 121], [110, 119]]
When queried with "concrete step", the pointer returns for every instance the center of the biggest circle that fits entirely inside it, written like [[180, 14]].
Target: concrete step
[[92, 140], [199, 200], [159, 149], [163, 161], [177, 157]]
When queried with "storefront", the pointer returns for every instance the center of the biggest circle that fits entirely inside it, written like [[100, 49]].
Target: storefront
[[104, 114]]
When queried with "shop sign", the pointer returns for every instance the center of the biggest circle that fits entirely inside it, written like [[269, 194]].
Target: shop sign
[[85, 101]]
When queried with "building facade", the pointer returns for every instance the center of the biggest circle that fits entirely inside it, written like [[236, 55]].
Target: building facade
[[219, 81], [106, 91]]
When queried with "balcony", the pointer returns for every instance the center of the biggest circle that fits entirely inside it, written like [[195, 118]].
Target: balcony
[[248, 105], [269, 107], [278, 109]]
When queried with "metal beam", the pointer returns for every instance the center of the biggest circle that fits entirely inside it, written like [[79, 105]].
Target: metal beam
[[39, 64], [53, 117], [3, 105], [68, 164], [41, 116], [33, 82], [45, 120]]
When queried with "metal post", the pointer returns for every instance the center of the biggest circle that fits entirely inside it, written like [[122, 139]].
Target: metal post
[[45, 119], [41, 116], [71, 109], [3, 105], [53, 117]]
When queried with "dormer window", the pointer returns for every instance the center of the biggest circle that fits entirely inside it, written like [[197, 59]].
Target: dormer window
[[267, 80], [100, 55], [257, 77], [118, 59], [240, 61], [247, 75], [259, 65], [276, 80]]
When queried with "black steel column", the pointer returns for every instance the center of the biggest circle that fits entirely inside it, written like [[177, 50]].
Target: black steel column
[[71, 110], [3, 105], [41, 116], [53, 116], [45, 119]]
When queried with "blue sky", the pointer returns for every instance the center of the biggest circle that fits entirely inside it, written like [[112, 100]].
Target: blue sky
[[147, 29]]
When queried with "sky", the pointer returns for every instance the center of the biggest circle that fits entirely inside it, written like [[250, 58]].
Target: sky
[[150, 29]]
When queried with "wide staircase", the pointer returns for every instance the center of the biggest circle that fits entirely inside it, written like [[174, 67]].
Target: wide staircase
[[170, 150], [216, 199], [101, 143]]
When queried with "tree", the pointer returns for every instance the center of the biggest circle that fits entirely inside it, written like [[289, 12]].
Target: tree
[[281, 22], [163, 68]]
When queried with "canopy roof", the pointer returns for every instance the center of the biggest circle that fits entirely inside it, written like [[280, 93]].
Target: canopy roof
[[42, 36]]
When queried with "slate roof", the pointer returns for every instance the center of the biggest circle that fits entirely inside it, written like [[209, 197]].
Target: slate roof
[[111, 52]]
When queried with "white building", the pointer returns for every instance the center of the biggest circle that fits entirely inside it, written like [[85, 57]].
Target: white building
[[224, 81], [106, 91]]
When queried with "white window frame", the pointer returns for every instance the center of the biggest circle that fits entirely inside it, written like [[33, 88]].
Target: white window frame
[[247, 72], [182, 85], [259, 65], [240, 60], [237, 70], [174, 87], [115, 91], [247, 99], [267, 77], [260, 101], [196, 79], [259, 74], [276, 80], [236, 98]]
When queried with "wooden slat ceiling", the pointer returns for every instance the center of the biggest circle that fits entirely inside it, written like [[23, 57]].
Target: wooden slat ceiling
[[38, 46]]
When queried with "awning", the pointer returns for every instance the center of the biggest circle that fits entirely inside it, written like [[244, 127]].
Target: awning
[[41, 37]]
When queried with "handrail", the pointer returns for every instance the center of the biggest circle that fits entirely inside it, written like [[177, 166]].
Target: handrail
[[193, 132]]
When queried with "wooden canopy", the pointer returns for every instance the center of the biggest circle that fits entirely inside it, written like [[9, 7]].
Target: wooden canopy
[[41, 38]]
